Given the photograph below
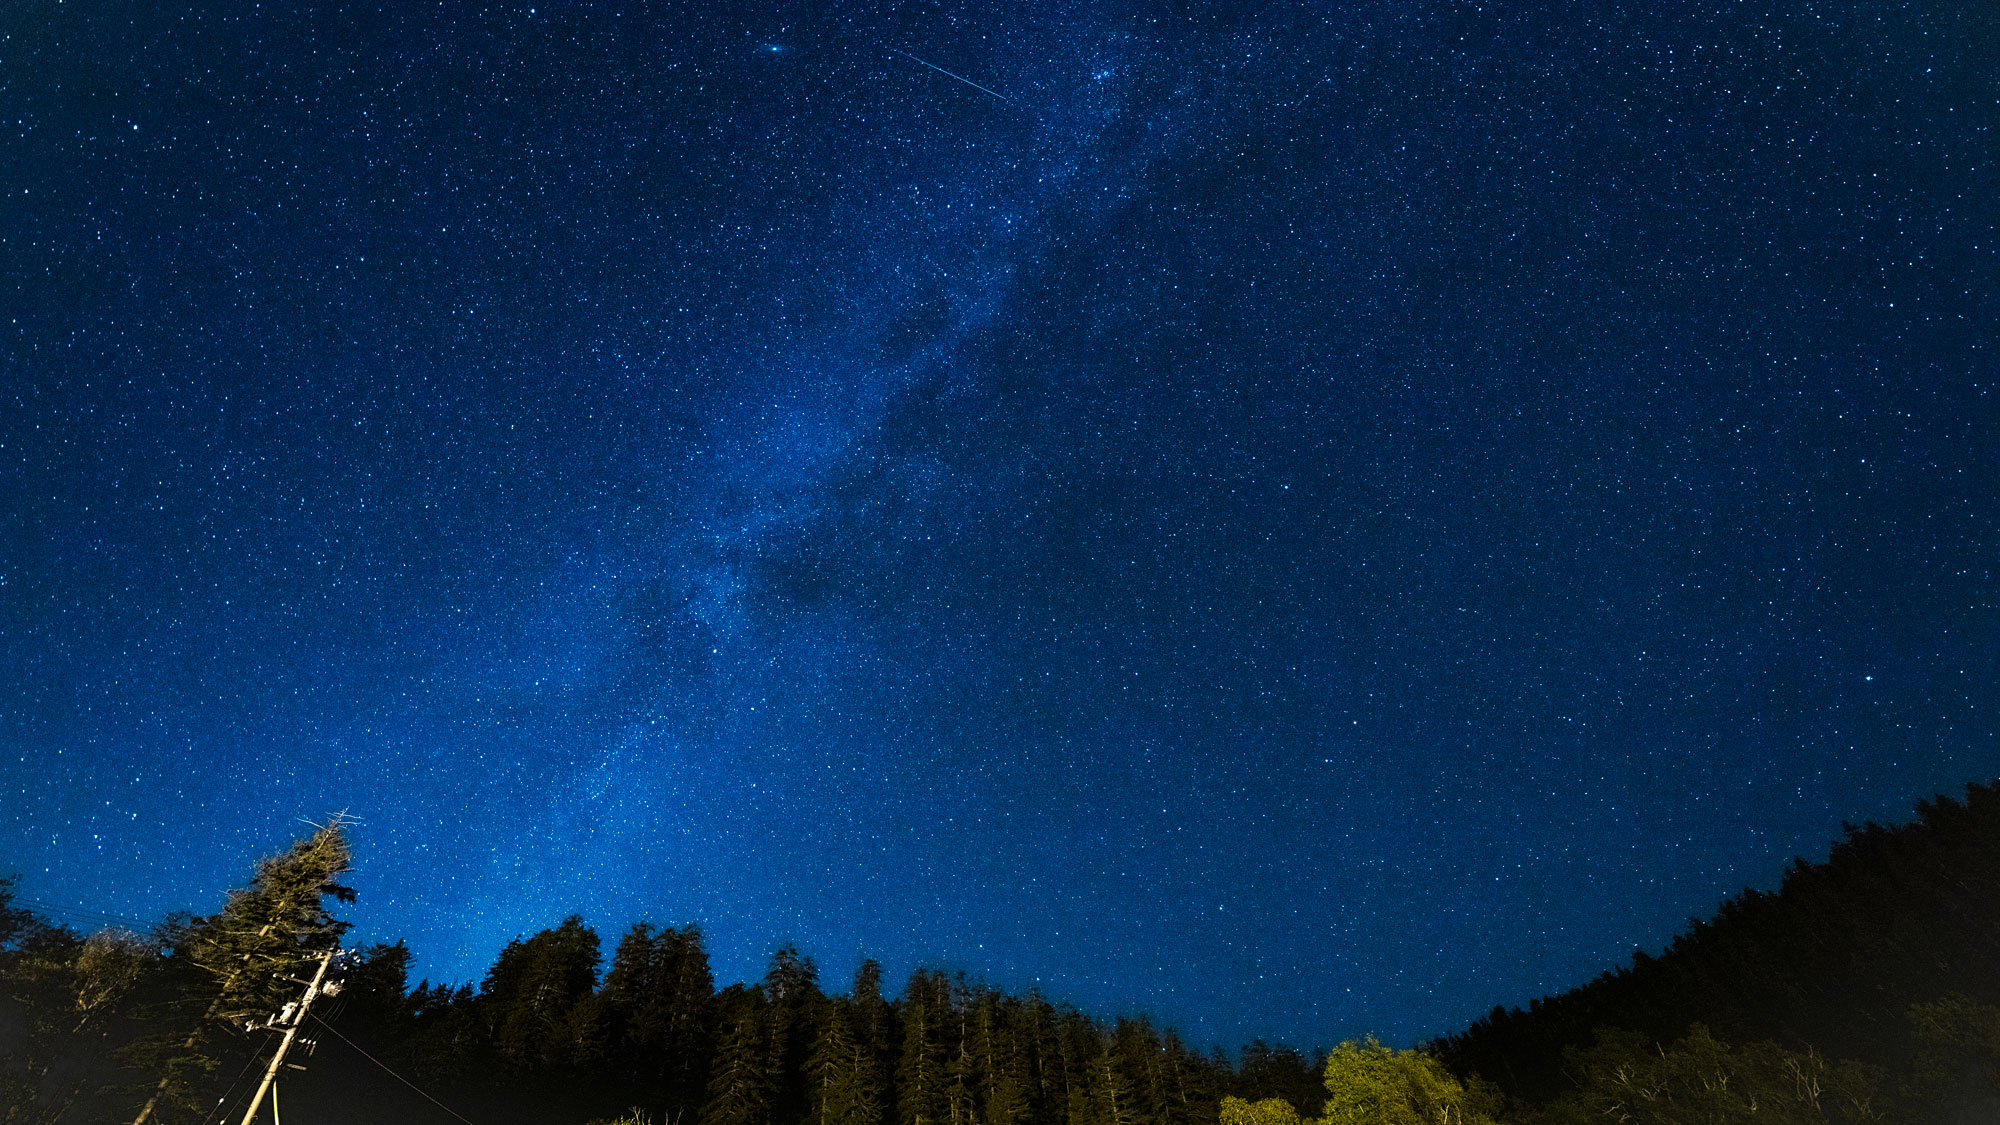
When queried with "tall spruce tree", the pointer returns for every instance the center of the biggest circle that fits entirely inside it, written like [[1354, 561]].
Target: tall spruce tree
[[792, 987], [873, 1024], [845, 1069], [841, 1089], [742, 1087], [1081, 1046], [922, 1069], [659, 1007], [1050, 1090], [237, 967], [536, 1000], [996, 1048]]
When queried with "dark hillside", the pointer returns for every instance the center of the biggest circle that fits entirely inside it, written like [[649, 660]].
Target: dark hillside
[[1834, 959]]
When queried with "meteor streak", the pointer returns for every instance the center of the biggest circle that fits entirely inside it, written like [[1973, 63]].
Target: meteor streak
[[943, 71]]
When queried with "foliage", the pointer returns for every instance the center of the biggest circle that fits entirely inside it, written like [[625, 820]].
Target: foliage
[[14, 921], [659, 1018], [743, 1087], [1956, 1070], [543, 1037], [1269, 1111], [535, 999], [1700, 1080], [1369, 1084], [1280, 1071], [70, 993], [636, 1116]]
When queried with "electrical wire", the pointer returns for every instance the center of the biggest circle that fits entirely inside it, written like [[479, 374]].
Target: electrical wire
[[385, 1067], [46, 905], [216, 1113], [82, 914]]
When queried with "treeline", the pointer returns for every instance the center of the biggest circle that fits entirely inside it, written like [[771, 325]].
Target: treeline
[[1836, 961], [1865, 991], [175, 1026], [653, 1033]]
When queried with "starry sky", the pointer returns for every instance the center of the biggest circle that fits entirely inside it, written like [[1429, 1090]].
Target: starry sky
[[1300, 519]]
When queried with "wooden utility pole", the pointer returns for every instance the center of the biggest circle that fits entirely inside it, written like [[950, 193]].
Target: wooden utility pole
[[298, 1019]]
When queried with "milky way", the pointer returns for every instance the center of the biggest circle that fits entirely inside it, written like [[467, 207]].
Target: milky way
[[1303, 521]]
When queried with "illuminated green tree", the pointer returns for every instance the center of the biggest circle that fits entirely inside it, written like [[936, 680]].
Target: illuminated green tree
[[922, 1071], [1268, 1111], [1369, 1084]]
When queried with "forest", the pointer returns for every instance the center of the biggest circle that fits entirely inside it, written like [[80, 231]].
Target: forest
[[1864, 989]]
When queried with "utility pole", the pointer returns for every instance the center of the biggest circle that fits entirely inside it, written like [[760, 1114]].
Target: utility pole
[[297, 1020]]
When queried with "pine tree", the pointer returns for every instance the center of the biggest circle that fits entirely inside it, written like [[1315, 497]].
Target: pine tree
[[238, 965], [659, 1004], [741, 1089], [445, 1039], [994, 1044], [872, 1024], [536, 999], [14, 921], [846, 1064], [69, 993], [1135, 1049], [1049, 1090], [921, 1071], [1190, 1093], [845, 1089], [792, 987], [1081, 1047]]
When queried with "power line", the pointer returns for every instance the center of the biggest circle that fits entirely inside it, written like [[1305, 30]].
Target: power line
[[94, 917], [216, 1113], [391, 1073]]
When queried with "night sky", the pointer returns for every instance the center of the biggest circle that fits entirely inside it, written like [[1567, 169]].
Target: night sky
[[1298, 519]]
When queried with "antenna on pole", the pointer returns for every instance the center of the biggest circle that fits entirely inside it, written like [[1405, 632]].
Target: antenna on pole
[[292, 1019]]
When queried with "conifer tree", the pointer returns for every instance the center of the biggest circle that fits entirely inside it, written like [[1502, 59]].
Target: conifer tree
[[872, 1025], [445, 1038], [237, 966], [963, 1072], [14, 921], [741, 1088], [792, 988], [1112, 1100], [843, 1088], [1081, 1047], [658, 1000], [68, 993], [921, 1070], [995, 1047], [846, 1064], [1050, 1089], [536, 999], [1189, 1093]]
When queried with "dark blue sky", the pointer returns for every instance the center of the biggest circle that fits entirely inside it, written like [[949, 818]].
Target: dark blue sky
[[1298, 519]]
